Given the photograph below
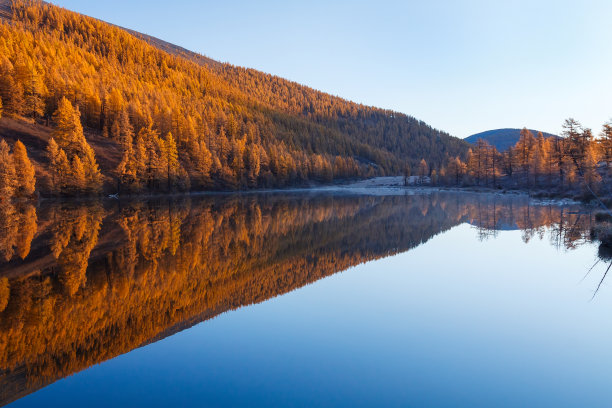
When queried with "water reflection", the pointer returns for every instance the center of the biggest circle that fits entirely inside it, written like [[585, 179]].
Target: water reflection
[[83, 283]]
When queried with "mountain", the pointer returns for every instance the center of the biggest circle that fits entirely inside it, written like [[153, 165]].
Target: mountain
[[502, 139], [233, 127]]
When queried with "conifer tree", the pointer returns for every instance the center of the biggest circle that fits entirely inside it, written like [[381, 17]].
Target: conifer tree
[[423, 170], [93, 176], [59, 167], [53, 157], [538, 160], [204, 161], [7, 172], [68, 132], [524, 148], [25, 175], [84, 174], [78, 177], [127, 171], [549, 161], [574, 134], [16, 102], [455, 169], [589, 168], [434, 177], [479, 161], [171, 159], [606, 144], [253, 164]]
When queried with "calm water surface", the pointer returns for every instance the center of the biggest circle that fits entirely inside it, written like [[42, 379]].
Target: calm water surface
[[442, 299]]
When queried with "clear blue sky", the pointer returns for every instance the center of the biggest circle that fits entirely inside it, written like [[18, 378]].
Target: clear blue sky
[[462, 66]]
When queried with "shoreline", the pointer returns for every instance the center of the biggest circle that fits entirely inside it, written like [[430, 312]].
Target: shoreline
[[389, 185]]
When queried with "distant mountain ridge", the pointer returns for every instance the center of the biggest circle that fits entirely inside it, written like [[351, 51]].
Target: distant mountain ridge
[[502, 139]]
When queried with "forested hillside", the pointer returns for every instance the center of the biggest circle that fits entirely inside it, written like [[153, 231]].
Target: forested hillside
[[502, 139], [115, 110]]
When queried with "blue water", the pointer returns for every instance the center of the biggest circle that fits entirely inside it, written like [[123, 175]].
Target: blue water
[[454, 322]]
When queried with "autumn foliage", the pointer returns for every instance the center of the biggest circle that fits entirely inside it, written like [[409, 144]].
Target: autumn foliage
[[576, 161], [182, 123], [17, 174]]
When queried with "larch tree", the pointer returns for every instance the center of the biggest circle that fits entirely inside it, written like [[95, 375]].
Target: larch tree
[[253, 163], [455, 169], [537, 162], [492, 164], [122, 129], [434, 177], [423, 170], [52, 154], [573, 132], [478, 161], [92, 171], [204, 162], [79, 177], [7, 172], [589, 168], [172, 162], [68, 132], [83, 174], [25, 175], [524, 149], [550, 161], [606, 144], [127, 171], [59, 167]]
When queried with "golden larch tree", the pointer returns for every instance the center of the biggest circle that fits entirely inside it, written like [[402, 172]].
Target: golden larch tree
[[25, 175], [7, 172]]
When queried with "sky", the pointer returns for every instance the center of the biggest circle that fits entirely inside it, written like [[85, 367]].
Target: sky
[[462, 66]]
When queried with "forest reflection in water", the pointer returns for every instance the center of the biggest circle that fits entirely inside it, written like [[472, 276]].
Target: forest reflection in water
[[83, 283]]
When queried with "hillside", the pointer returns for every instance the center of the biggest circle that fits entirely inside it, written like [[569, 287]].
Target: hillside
[[233, 127], [502, 139]]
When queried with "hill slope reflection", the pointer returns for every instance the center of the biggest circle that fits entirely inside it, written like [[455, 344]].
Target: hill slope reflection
[[82, 284]]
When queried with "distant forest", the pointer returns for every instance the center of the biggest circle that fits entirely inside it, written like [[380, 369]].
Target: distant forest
[[577, 161], [126, 116]]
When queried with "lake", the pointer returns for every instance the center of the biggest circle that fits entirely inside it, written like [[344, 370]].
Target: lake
[[322, 298]]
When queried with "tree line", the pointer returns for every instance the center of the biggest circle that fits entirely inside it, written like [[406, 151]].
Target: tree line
[[578, 159]]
